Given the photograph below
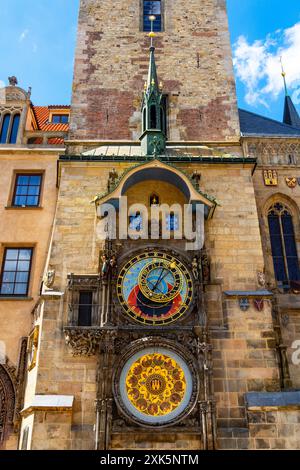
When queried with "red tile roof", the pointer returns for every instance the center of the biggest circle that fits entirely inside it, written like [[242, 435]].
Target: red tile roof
[[42, 114]]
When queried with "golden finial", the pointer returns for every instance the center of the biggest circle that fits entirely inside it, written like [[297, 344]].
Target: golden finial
[[145, 86], [284, 77], [152, 82]]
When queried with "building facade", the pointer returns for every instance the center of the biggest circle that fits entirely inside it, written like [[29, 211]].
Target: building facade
[[141, 338]]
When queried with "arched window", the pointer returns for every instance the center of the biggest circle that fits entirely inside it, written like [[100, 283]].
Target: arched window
[[154, 200], [14, 129], [283, 244], [4, 129], [144, 119], [153, 121]]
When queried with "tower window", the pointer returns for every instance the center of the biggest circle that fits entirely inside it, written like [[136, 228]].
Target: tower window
[[14, 129], [4, 129], [283, 244], [135, 222], [152, 8]]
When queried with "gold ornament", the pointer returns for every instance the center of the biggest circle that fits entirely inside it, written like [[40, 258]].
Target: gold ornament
[[155, 384]]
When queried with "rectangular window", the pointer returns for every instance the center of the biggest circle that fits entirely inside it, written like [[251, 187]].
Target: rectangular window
[[16, 272], [152, 8], [85, 308], [27, 190], [60, 118]]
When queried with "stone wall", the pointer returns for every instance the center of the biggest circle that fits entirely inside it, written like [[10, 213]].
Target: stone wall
[[193, 59]]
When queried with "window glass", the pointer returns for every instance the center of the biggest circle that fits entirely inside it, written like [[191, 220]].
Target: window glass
[[4, 129], [152, 8], [27, 190], [15, 272], [60, 118], [14, 129], [283, 244]]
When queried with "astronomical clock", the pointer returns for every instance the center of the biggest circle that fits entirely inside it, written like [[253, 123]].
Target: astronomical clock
[[155, 382], [155, 288]]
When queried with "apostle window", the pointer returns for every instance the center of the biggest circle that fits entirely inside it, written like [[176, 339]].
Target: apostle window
[[172, 222], [27, 190], [135, 222], [16, 272], [283, 244], [152, 8], [85, 308]]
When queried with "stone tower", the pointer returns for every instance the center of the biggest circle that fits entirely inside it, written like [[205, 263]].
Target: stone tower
[[194, 61]]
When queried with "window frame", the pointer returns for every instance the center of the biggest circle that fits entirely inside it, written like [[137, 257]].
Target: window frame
[[16, 186], [162, 14], [294, 215], [61, 115], [3, 117], [12, 117], [25, 295], [13, 188]]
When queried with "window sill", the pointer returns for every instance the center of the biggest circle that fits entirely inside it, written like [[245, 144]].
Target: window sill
[[15, 298], [26, 208]]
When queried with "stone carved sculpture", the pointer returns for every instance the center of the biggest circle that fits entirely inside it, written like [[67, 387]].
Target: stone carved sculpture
[[13, 81], [261, 279], [49, 278]]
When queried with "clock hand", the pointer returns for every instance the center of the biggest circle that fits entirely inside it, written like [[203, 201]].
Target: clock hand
[[157, 282], [156, 287]]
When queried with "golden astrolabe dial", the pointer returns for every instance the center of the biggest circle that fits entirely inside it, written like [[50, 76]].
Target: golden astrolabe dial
[[160, 280]]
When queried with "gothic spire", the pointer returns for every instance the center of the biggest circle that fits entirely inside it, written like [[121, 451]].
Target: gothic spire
[[153, 114], [290, 113]]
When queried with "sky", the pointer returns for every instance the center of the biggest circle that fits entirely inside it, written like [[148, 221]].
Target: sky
[[37, 44]]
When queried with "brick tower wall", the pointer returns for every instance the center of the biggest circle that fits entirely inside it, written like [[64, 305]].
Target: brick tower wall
[[194, 64]]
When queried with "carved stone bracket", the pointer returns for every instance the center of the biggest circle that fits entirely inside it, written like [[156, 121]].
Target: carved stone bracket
[[83, 341]]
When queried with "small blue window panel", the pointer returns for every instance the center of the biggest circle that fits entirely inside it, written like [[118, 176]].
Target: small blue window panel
[[135, 222], [152, 8], [4, 129], [172, 222], [14, 129], [27, 190], [15, 272], [60, 119]]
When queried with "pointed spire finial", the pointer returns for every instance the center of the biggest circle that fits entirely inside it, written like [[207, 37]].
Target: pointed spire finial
[[284, 77]]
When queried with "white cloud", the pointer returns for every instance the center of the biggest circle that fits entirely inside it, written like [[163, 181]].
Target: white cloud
[[257, 65], [23, 35]]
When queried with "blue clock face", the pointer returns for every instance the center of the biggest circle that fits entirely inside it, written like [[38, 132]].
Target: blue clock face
[[155, 288]]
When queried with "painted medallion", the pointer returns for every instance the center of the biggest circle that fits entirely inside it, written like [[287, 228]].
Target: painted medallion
[[156, 386]]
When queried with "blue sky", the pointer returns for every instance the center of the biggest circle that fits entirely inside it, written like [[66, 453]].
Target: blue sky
[[37, 42]]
